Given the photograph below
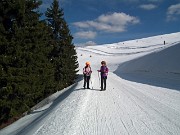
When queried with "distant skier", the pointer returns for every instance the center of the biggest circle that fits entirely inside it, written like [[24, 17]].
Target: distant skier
[[87, 74], [104, 72]]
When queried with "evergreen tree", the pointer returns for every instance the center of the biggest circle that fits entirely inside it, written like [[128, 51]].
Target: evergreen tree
[[64, 54], [26, 73]]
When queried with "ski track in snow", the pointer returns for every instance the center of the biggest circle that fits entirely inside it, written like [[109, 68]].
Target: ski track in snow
[[99, 52], [124, 50], [157, 111], [125, 108], [122, 110]]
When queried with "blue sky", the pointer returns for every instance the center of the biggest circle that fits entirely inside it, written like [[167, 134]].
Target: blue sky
[[112, 21]]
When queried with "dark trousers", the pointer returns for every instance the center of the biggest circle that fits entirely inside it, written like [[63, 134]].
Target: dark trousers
[[86, 80], [103, 81]]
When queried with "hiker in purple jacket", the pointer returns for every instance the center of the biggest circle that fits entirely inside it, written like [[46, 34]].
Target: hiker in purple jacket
[[104, 72]]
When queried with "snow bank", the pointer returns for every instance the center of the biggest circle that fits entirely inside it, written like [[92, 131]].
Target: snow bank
[[160, 67]]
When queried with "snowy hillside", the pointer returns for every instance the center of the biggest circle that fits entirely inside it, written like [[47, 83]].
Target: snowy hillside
[[142, 96], [161, 68], [118, 53]]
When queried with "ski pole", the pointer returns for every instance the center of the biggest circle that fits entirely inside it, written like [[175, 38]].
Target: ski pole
[[99, 78], [91, 84]]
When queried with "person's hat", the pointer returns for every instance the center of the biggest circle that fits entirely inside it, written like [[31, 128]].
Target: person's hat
[[87, 63]]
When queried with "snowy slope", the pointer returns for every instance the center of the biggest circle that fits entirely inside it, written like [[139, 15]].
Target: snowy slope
[[141, 97], [161, 68]]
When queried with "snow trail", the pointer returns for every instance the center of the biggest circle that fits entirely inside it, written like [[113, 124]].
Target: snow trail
[[123, 110]]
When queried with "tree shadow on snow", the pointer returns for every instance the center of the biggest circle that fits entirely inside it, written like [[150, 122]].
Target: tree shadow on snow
[[47, 111]]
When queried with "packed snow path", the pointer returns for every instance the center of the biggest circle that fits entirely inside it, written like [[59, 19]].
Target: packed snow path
[[125, 108], [129, 106]]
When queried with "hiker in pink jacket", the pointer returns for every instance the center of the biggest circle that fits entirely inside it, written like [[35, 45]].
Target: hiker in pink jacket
[[87, 74]]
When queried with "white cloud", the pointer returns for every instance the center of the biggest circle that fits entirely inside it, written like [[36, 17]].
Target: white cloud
[[88, 43], [86, 34], [173, 12], [148, 6], [116, 22]]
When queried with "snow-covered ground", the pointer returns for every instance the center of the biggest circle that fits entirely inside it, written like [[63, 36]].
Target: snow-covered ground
[[142, 96]]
